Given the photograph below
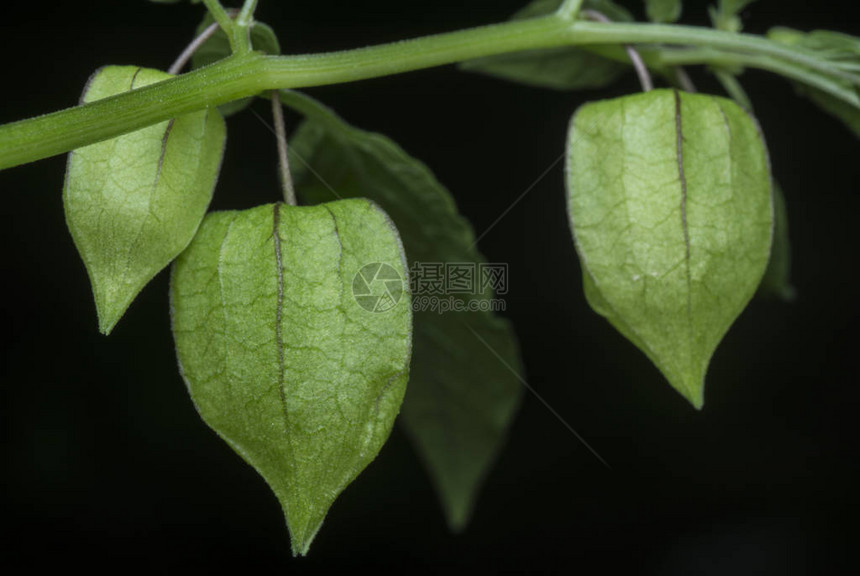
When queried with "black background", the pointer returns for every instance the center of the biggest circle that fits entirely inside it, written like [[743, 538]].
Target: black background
[[105, 463]]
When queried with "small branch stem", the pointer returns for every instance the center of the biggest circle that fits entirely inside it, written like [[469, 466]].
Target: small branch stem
[[641, 69], [238, 34], [638, 64], [283, 155], [727, 43], [684, 80], [733, 88], [220, 15], [247, 13], [834, 87], [569, 9], [189, 51]]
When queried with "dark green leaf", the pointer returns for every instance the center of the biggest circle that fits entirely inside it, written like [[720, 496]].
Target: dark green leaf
[[263, 38], [663, 10], [726, 17], [133, 203], [670, 205], [464, 389], [556, 68], [279, 356], [777, 278]]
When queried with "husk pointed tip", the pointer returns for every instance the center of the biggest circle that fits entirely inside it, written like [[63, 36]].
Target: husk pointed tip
[[108, 318], [106, 329], [111, 305], [301, 545], [788, 293], [302, 538], [692, 389], [302, 550], [695, 395], [457, 520], [698, 402], [459, 505]]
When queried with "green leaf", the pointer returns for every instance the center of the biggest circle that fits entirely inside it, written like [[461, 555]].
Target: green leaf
[[834, 46], [133, 203], [281, 359], [464, 389], [726, 17], [663, 10], [838, 48], [216, 48], [670, 205], [777, 278], [556, 68]]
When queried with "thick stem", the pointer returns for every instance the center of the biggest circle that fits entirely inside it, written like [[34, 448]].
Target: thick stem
[[231, 79], [246, 74]]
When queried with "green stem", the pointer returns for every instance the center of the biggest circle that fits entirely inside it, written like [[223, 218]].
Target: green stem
[[626, 33], [834, 87], [247, 13], [569, 9], [283, 150], [248, 73], [231, 79], [733, 88], [238, 31], [221, 17], [241, 42]]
